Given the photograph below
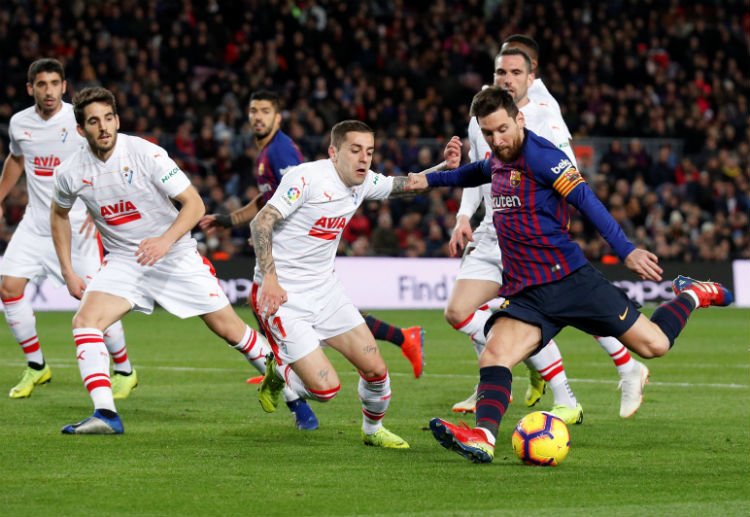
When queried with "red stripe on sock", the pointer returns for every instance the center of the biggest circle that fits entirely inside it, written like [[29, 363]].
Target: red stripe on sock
[[7, 301], [373, 416], [624, 358], [33, 347], [374, 379], [551, 375], [325, 394], [32, 338], [463, 323], [673, 311], [101, 383]]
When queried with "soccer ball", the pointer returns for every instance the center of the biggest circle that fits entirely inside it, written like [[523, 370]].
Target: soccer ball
[[540, 438]]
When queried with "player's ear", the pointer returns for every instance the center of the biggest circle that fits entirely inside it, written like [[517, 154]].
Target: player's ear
[[117, 118], [30, 89], [332, 154], [65, 86], [80, 131], [520, 120]]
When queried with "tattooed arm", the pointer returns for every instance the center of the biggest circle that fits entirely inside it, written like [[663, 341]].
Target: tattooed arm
[[272, 295], [404, 186]]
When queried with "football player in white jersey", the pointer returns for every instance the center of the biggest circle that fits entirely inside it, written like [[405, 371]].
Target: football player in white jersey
[[41, 136], [126, 184], [300, 300], [481, 273]]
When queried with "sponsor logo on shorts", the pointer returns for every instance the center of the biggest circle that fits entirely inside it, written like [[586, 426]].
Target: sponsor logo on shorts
[[120, 213], [328, 228], [45, 165]]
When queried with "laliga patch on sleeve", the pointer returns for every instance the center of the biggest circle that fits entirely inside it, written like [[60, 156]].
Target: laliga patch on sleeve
[[567, 181], [292, 195]]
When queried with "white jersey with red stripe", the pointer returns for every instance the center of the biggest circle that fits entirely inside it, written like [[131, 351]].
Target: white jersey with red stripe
[[44, 144], [316, 206], [128, 196], [542, 120]]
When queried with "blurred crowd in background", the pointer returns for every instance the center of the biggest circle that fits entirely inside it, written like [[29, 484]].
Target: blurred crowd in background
[[631, 70]]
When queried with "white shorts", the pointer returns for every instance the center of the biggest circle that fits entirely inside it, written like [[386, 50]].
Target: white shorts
[[307, 318], [32, 255], [184, 284], [482, 260]]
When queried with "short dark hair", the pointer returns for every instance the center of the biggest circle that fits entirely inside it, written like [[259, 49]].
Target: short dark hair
[[266, 95], [339, 131], [525, 41], [89, 95], [490, 100], [515, 51], [46, 64]]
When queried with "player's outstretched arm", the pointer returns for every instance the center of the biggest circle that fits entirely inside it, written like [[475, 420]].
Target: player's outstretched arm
[[12, 169], [645, 264], [272, 295], [208, 223], [61, 235], [151, 250]]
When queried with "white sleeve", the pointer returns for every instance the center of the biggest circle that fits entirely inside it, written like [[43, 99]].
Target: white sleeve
[[556, 132], [377, 186], [166, 174], [291, 193], [13, 146], [63, 195], [470, 200]]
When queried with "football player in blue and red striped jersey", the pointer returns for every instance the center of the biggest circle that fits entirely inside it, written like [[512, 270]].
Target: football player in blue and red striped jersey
[[547, 281]]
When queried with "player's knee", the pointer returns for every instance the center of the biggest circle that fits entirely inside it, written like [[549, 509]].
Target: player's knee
[[85, 321], [656, 346], [325, 395], [454, 316], [9, 291]]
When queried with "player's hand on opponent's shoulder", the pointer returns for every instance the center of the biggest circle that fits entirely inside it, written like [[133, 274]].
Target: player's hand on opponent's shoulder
[[271, 296], [461, 235], [150, 251], [452, 153], [88, 228], [645, 264], [75, 284]]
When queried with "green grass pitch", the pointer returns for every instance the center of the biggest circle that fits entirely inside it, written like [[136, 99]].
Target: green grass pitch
[[197, 442]]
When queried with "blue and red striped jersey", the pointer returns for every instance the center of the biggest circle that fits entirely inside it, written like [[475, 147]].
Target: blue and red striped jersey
[[530, 199], [277, 156]]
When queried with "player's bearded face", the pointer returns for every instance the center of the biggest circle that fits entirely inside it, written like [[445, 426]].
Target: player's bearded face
[[100, 127], [47, 89], [503, 134], [353, 159], [263, 118]]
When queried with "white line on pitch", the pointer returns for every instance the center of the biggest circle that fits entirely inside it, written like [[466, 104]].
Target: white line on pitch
[[70, 364]]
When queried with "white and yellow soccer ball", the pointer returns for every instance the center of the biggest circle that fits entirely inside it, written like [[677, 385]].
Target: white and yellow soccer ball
[[540, 438]]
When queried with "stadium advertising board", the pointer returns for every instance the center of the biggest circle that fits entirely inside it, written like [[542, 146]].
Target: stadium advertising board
[[400, 283]]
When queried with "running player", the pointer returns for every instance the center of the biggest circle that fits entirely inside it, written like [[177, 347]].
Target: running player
[[278, 153], [42, 136], [126, 184], [300, 299]]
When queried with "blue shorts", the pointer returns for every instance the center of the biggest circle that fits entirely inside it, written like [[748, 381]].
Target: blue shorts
[[584, 299]]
